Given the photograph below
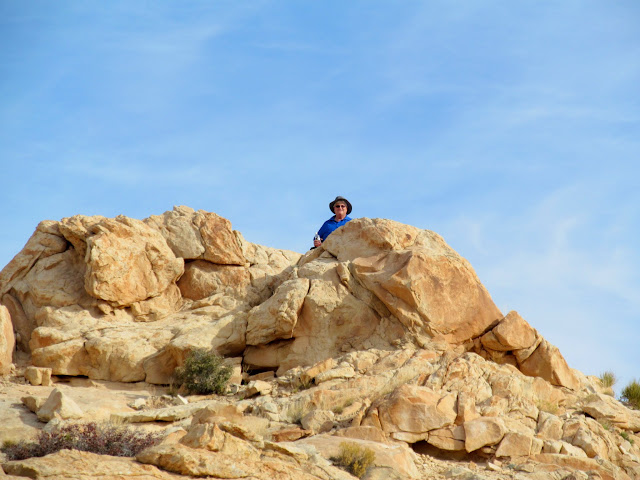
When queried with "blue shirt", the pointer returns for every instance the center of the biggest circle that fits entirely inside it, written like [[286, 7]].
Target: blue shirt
[[330, 225]]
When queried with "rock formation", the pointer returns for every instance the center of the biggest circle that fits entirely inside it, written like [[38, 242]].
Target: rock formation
[[384, 336]]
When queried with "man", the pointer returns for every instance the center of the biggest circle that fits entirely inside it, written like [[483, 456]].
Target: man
[[341, 209]]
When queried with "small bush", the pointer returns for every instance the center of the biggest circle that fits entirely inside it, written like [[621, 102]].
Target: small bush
[[608, 379], [355, 459], [626, 436], [105, 439], [631, 394], [203, 372]]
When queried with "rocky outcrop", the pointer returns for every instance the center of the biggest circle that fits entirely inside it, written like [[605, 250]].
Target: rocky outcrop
[[383, 337]]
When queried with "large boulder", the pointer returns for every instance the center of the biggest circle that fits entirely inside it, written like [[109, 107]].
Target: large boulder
[[423, 282], [411, 412], [514, 341], [199, 235]]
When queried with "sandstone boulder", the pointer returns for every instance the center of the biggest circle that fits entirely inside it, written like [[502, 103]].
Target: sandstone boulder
[[38, 376], [59, 405], [128, 262], [45, 241], [419, 278], [84, 465], [606, 409], [411, 412], [277, 317], [483, 431], [202, 279], [397, 458], [547, 362], [512, 333]]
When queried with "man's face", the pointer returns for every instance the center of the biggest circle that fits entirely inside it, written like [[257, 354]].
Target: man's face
[[340, 209]]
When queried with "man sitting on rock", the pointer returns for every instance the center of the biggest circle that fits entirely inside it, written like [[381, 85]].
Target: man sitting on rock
[[341, 207]]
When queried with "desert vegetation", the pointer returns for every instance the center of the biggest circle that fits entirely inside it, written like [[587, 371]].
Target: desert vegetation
[[354, 459], [631, 394], [105, 439], [203, 372]]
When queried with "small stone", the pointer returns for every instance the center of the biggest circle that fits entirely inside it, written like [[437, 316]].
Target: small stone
[[38, 375], [138, 403]]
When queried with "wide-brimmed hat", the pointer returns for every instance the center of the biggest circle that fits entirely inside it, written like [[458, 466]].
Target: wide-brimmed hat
[[339, 198]]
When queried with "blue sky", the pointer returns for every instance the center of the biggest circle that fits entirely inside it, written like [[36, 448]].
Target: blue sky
[[510, 128]]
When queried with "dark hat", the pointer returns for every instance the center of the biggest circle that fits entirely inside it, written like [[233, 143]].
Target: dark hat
[[338, 198]]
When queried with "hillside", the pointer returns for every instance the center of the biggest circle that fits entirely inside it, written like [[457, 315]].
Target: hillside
[[384, 337]]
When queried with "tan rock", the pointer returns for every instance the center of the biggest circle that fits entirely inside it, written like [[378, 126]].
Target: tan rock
[[482, 432], [7, 341], [420, 279], [332, 322], [257, 387], [184, 460], [515, 445], [335, 373], [552, 446], [38, 375], [572, 450], [466, 408], [211, 437], [84, 465], [128, 262], [416, 410], [220, 413], [277, 317], [289, 434], [512, 333], [450, 438], [607, 409], [45, 241], [22, 325], [592, 444], [33, 402], [368, 433], [604, 469], [318, 421], [547, 362], [58, 404], [54, 281], [312, 372], [549, 426], [198, 235], [399, 458], [202, 279]]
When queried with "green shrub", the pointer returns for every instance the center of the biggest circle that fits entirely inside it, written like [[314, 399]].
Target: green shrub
[[608, 379], [631, 394], [626, 436], [203, 372], [355, 459], [104, 439]]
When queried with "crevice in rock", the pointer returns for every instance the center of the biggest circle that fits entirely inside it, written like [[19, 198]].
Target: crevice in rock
[[424, 448]]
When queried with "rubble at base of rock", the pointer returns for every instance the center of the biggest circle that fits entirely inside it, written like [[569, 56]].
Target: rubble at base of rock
[[383, 337]]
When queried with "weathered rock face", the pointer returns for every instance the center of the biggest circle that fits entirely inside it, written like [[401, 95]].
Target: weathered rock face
[[383, 338], [423, 282], [515, 342], [85, 289]]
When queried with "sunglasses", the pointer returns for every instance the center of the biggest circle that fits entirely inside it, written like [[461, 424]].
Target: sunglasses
[[339, 206]]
